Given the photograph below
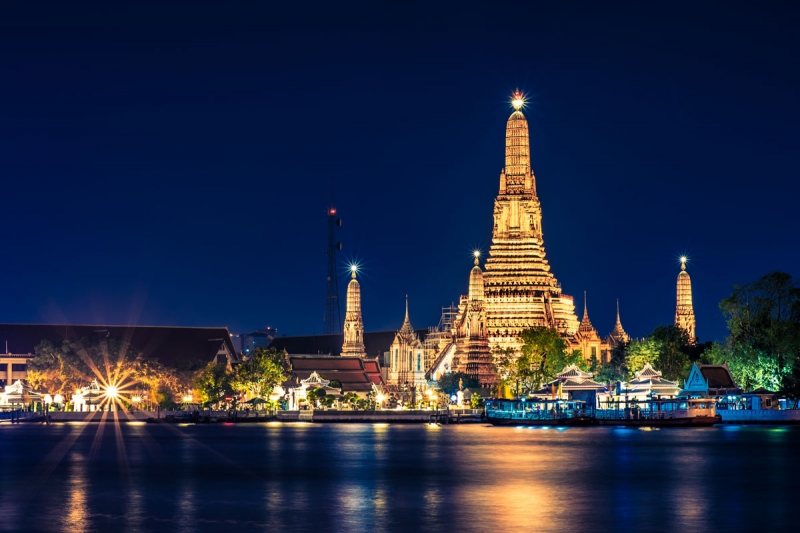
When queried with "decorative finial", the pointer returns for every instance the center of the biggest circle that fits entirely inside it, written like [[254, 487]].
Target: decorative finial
[[683, 262], [477, 254], [518, 100], [584, 304], [406, 307], [353, 270], [617, 310]]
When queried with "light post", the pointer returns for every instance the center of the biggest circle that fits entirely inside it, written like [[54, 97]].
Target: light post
[[379, 399]]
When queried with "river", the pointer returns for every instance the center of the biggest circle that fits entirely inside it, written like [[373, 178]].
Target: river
[[377, 477]]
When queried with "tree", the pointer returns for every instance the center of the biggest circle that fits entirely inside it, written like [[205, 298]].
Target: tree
[[476, 401], [544, 354], [640, 352], [212, 383], [541, 357], [350, 398], [763, 319], [260, 372], [62, 369], [673, 358], [449, 382]]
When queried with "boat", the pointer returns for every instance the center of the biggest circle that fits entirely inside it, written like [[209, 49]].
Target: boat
[[659, 413], [538, 412]]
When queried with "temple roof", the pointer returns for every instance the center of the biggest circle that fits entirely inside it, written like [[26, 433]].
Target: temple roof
[[647, 372], [375, 343], [171, 345], [572, 371], [618, 333]]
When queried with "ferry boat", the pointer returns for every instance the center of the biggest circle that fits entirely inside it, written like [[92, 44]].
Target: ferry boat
[[659, 413], [536, 412]]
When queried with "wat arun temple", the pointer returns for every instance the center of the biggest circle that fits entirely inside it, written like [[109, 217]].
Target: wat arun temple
[[514, 292], [517, 290]]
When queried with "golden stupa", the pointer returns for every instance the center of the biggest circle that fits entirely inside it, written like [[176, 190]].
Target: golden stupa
[[520, 290]]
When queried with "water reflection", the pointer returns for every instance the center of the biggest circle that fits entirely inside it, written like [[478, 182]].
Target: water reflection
[[77, 487], [411, 478]]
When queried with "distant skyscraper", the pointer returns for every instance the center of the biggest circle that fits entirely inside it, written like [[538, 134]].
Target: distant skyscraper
[[684, 310], [353, 323]]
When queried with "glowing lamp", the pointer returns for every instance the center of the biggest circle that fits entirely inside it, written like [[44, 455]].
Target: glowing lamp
[[58, 399], [379, 398], [111, 391], [136, 399], [48, 399]]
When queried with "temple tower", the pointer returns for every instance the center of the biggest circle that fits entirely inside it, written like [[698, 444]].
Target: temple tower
[[407, 357], [472, 354], [684, 310], [618, 335], [353, 323], [594, 349], [520, 290]]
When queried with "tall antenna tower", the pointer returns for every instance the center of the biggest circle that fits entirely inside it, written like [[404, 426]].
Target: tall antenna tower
[[332, 321]]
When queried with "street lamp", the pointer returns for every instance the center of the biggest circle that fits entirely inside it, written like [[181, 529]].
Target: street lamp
[[379, 398], [47, 401]]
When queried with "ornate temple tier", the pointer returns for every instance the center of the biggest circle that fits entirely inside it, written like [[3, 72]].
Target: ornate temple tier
[[521, 292]]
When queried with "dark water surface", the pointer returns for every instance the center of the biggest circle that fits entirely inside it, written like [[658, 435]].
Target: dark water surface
[[378, 477]]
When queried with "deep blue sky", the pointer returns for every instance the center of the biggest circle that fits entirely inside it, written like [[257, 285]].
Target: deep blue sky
[[170, 164]]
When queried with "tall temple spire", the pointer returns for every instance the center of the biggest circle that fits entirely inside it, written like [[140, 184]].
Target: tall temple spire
[[353, 323], [520, 290], [684, 309], [618, 334], [586, 324], [476, 286], [406, 327]]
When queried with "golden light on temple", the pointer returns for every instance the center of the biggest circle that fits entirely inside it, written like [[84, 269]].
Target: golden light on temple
[[683, 259], [518, 100], [476, 254]]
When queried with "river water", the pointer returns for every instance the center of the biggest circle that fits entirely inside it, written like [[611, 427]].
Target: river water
[[379, 477]]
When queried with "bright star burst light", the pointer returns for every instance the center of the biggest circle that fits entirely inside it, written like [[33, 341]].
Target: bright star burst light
[[518, 100], [476, 254]]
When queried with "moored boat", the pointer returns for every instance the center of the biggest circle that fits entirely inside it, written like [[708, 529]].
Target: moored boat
[[659, 413], [538, 412]]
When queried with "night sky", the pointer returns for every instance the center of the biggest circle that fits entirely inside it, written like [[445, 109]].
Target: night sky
[[171, 164]]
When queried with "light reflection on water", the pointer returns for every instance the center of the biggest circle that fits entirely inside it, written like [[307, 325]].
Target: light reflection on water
[[298, 477]]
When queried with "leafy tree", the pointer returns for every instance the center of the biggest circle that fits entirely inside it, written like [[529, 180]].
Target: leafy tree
[[212, 383], [615, 368], [350, 398], [673, 359], [476, 401], [640, 352], [260, 372], [763, 318], [449, 382], [62, 369], [542, 356]]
